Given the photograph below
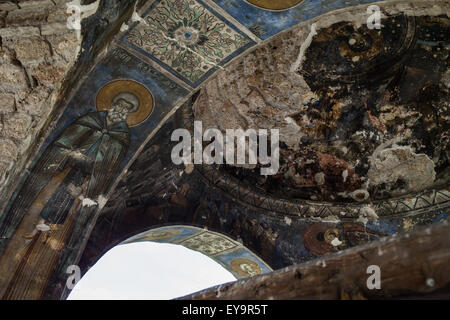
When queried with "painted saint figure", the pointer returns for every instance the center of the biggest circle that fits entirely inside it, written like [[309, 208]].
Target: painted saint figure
[[69, 182], [93, 146]]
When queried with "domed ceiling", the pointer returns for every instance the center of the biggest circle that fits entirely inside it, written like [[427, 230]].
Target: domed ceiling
[[363, 118]]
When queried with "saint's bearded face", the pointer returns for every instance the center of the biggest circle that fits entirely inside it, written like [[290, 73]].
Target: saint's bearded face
[[120, 109]]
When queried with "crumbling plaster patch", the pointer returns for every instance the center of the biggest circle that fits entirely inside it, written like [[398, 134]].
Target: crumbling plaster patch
[[400, 163]]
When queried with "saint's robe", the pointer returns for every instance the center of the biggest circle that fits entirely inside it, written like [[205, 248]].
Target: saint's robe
[[93, 152]]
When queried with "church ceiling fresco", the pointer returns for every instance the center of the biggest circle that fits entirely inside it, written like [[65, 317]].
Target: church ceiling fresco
[[147, 198], [363, 118], [121, 65], [188, 38], [114, 111], [232, 255]]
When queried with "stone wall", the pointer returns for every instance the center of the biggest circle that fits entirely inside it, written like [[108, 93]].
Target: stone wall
[[37, 51]]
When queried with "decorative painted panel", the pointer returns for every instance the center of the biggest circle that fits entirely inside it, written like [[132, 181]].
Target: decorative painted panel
[[187, 38]]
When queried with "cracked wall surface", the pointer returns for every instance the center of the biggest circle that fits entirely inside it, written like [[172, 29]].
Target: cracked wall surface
[[36, 54]]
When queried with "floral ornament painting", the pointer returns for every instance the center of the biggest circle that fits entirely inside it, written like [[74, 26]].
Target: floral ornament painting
[[186, 36]]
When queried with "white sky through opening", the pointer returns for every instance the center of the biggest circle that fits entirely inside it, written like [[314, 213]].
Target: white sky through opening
[[149, 270]]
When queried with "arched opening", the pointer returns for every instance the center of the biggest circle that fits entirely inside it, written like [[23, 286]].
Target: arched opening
[[166, 263], [149, 270]]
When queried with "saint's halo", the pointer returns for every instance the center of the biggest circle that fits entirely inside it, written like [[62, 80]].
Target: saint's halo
[[108, 93]]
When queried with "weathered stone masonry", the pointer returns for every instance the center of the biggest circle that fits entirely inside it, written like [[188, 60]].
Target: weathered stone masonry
[[37, 51]]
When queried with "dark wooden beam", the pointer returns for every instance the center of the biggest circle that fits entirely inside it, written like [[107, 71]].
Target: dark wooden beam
[[411, 264]]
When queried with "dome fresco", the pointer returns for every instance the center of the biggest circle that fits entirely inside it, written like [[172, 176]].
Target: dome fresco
[[351, 126]]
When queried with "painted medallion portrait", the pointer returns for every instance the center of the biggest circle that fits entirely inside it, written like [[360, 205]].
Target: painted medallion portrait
[[245, 267]]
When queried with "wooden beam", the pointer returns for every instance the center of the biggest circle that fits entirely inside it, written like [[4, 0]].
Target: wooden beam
[[410, 264]]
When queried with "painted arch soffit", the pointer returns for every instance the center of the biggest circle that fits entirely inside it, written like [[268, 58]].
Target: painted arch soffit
[[232, 255]]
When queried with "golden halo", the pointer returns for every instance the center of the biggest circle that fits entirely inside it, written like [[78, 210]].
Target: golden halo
[[160, 235], [245, 267], [274, 5], [109, 91]]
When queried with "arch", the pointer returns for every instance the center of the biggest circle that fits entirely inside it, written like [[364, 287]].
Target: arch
[[231, 254]]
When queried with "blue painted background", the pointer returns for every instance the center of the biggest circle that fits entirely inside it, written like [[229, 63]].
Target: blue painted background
[[273, 22]]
